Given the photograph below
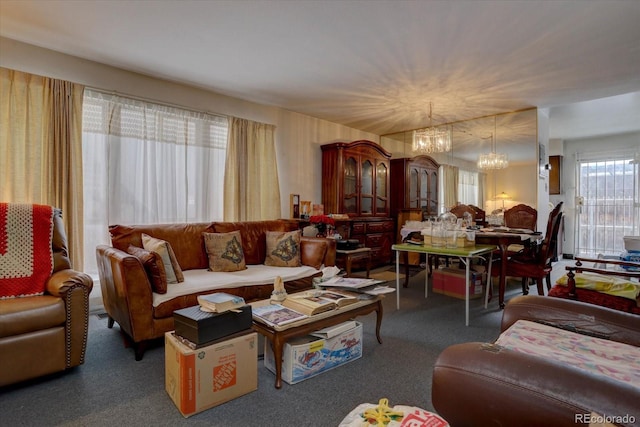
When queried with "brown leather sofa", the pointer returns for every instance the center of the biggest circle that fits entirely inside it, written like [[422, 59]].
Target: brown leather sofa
[[126, 288], [482, 384], [44, 334]]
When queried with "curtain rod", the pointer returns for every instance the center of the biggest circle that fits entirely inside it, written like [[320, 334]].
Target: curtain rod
[[163, 103]]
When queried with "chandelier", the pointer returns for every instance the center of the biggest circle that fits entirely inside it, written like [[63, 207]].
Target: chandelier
[[493, 160], [431, 139]]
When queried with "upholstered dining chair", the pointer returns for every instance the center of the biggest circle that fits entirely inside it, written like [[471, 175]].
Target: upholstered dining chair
[[44, 303]]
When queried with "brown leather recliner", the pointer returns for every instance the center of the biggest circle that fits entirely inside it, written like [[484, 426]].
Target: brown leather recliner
[[44, 334], [485, 384]]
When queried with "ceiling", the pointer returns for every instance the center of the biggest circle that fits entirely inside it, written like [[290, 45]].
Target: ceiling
[[370, 65]]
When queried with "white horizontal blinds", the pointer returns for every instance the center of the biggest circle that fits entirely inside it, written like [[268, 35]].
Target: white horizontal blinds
[[148, 163], [608, 193]]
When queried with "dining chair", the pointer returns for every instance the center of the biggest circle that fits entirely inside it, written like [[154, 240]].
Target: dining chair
[[535, 265], [460, 209], [480, 216], [521, 216]]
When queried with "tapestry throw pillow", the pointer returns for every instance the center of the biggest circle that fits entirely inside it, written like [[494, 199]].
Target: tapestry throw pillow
[[154, 267], [163, 248], [224, 251], [283, 249], [26, 256]]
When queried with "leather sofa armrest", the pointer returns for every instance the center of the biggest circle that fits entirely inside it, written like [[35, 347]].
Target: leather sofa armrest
[[74, 288], [320, 249], [581, 317], [126, 291], [62, 281], [488, 385]]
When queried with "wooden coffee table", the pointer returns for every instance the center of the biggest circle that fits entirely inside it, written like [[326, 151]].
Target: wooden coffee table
[[279, 335]]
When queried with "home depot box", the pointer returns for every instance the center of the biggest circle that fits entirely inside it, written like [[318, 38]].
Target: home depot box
[[309, 356], [206, 377], [450, 282]]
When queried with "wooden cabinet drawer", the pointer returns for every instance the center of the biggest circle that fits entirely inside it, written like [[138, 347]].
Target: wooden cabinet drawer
[[358, 228], [373, 240], [380, 227]]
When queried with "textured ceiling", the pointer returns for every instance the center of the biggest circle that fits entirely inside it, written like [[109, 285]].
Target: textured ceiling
[[371, 65]]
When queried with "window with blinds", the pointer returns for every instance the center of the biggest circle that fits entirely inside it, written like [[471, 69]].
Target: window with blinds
[[146, 163]]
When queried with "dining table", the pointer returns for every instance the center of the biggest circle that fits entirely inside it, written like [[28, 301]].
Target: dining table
[[504, 237]]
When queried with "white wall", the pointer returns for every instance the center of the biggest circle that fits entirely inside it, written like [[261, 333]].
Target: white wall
[[605, 145], [297, 136]]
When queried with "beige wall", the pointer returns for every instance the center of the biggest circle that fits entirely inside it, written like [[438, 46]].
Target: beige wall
[[298, 137]]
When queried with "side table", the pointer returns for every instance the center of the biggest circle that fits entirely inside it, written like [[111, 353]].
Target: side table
[[347, 257]]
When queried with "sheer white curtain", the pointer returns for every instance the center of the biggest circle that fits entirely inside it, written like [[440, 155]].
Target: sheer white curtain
[[468, 186], [147, 163]]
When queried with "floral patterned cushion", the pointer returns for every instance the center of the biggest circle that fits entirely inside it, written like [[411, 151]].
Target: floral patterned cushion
[[598, 356]]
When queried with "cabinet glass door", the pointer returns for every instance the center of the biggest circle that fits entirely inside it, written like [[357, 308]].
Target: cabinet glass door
[[350, 185], [424, 191], [381, 188], [366, 191], [414, 188], [433, 193]]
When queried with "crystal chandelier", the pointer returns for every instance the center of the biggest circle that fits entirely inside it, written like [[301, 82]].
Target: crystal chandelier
[[431, 139], [493, 160]]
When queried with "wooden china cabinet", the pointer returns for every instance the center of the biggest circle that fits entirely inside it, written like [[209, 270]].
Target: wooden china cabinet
[[356, 182], [414, 184], [414, 193]]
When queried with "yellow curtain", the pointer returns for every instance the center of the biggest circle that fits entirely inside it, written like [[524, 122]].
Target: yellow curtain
[[41, 147], [251, 187], [450, 186]]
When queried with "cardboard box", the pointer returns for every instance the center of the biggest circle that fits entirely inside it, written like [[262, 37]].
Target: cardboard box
[[309, 356], [203, 378], [450, 282], [201, 327]]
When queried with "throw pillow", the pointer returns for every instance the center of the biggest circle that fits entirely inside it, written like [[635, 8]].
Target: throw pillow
[[154, 267], [283, 249], [163, 248], [224, 251]]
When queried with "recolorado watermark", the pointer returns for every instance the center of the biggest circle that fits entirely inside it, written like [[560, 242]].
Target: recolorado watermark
[[604, 419]]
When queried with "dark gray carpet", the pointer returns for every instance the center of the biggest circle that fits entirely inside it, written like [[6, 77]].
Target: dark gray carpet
[[111, 388]]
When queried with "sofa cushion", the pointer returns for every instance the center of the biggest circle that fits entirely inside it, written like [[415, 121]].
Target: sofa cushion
[[25, 315], [254, 235], [163, 248], [224, 251], [186, 240], [154, 267], [283, 248]]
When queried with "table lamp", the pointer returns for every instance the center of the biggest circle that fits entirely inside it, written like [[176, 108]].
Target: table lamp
[[503, 196]]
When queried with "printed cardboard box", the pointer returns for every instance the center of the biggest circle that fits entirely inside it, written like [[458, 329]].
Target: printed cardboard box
[[450, 282], [309, 356], [206, 377]]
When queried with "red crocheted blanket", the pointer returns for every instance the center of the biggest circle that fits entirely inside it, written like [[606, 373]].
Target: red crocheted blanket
[[26, 256]]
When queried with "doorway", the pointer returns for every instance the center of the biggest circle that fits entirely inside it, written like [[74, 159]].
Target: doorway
[[607, 204]]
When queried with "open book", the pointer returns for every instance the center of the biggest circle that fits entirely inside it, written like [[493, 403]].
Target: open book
[[314, 302], [220, 302], [276, 314]]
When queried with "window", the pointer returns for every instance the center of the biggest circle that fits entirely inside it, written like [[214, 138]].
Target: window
[[146, 163], [468, 187]]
